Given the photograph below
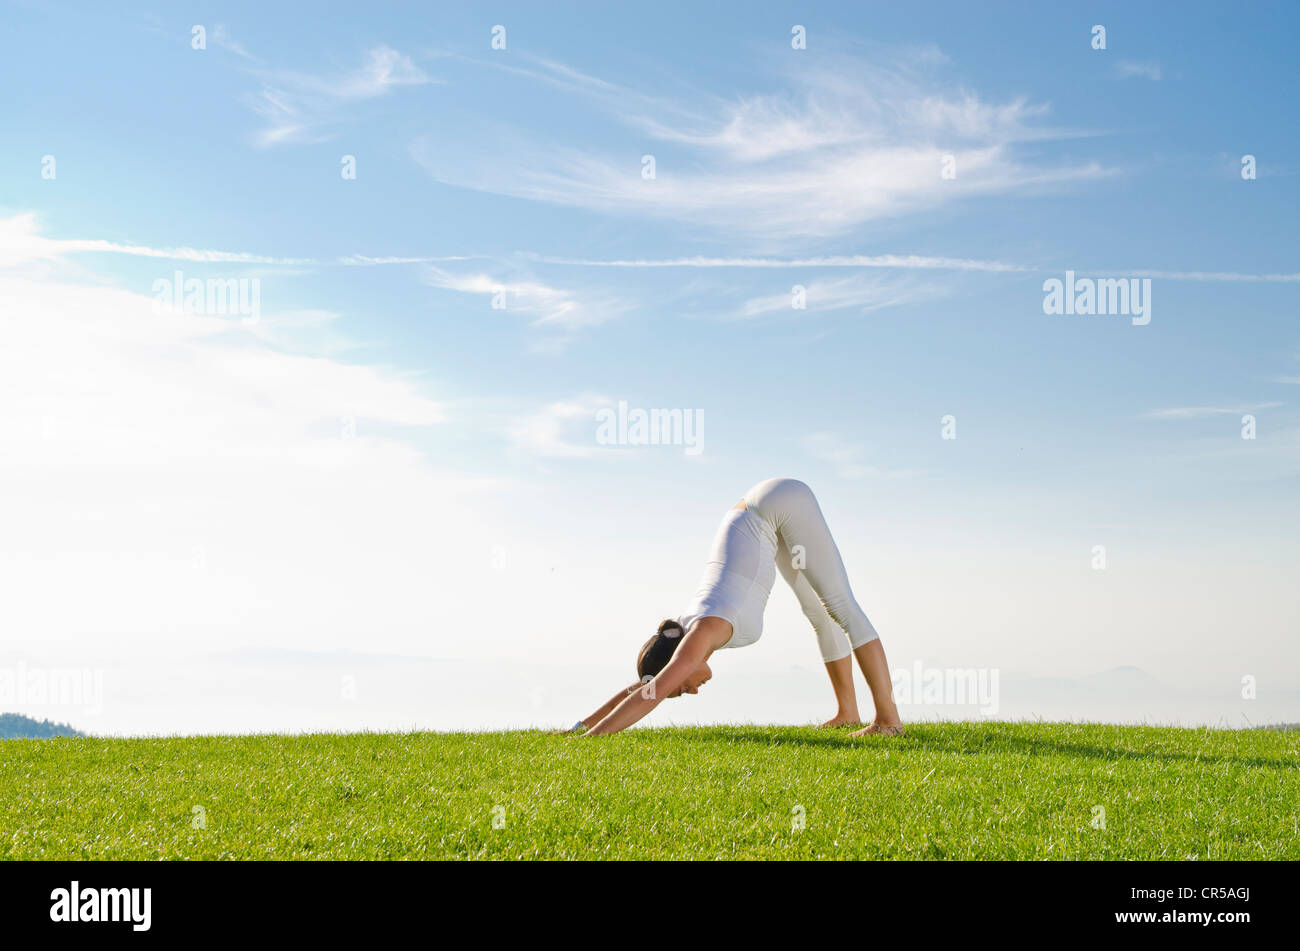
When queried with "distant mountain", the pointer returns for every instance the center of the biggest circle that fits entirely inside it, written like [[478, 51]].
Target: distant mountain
[[1125, 677], [15, 726]]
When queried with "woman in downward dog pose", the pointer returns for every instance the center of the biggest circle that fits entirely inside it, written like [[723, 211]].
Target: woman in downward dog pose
[[777, 525]]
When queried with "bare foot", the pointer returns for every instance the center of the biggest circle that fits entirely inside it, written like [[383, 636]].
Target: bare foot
[[842, 719], [876, 728]]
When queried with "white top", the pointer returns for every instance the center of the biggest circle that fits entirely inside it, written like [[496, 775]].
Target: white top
[[738, 577]]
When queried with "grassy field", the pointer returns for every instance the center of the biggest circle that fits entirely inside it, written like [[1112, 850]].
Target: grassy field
[[960, 790]]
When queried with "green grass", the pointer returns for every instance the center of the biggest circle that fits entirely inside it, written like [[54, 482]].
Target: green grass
[[948, 790]]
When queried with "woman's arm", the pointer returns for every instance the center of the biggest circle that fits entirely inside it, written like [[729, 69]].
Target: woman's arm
[[641, 701], [603, 710], [704, 638]]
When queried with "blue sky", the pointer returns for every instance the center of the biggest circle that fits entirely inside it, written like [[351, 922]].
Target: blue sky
[[470, 512]]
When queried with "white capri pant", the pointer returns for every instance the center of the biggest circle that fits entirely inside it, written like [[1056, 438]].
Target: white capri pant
[[782, 523]]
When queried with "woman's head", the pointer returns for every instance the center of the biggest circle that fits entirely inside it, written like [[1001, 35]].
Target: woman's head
[[658, 651]]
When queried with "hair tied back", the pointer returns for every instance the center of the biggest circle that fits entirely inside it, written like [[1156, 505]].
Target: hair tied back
[[671, 629]]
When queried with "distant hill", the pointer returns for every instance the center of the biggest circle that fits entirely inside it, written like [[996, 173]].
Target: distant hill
[[15, 726]]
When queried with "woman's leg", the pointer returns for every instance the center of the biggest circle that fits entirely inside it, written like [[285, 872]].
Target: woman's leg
[[831, 641], [871, 658], [792, 510]]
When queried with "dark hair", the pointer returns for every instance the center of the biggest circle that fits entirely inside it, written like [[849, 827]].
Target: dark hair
[[658, 651]]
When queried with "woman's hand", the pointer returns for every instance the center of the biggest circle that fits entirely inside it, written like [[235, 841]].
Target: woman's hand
[[600, 713], [704, 637]]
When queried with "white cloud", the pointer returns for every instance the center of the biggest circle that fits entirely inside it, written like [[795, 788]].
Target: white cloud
[[549, 307], [1220, 276], [301, 107], [222, 38], [1199, 412], [844, 144], [563, 429], [362, 260], [900, 261], [384, 68], [568, 428], [314, 331], [169, 478], [847, 458], [21, 242], [856, 292], [172, 487], [1127, 69]]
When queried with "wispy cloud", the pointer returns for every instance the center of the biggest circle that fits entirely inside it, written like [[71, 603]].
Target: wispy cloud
[[858, 292], [362, 260], [21, 242], [906, 261], [548, 306], [117, 342], [842, 144], [222, 38], [1222, 276], [1199, 412], [562, 429], [847, 458], [188, 478], [307, 330], [1128, 69], [303, 107]]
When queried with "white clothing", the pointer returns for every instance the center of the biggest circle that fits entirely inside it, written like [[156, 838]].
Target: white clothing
[[781, 527]]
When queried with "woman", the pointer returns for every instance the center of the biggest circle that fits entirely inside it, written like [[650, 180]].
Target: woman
[[778, 524]]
